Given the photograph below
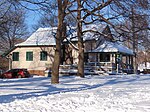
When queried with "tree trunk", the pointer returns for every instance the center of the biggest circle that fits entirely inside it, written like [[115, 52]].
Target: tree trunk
[[80, 42], [56, 63], [134, 41]]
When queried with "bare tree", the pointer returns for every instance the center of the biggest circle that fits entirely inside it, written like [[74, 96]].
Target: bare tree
[[134, 23], [61, 31], [84, 12], [80, 41], [87, 13], [12, 27], [44, 5], [49, 18]]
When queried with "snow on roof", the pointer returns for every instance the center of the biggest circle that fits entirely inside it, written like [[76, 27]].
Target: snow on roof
[[43, 36], [94, 27], [89, 35], [113, 47]]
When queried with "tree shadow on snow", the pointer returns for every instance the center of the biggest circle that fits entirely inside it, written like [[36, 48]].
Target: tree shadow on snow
[[68, 84]]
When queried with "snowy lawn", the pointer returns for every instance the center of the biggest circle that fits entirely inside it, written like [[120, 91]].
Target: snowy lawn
[[128, 93]]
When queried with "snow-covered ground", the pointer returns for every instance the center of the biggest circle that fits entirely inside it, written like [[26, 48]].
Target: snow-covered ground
[[127, 93]]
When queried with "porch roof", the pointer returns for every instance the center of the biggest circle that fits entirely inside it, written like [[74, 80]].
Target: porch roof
[[112, 47]]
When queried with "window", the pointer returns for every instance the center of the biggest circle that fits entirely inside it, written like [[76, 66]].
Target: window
[[15, 56], [43, 56], [29, 56], [86, 57], [105, 57]]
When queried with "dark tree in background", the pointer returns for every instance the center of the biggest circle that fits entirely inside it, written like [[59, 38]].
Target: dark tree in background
[[12, 28], [133, 24], [12, 25]]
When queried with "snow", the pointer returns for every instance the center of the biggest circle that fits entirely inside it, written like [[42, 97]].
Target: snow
[[113, 47], [46, 36], [43, 36], [89, 35], [115, 93]]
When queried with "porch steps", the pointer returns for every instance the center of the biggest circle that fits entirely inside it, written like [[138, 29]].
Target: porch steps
[[67, 70], [88, 70]]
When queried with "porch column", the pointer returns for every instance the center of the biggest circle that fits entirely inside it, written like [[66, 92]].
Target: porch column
[[112, 58], [126, 59], [132, 61], [116, 63], [129, 59], [98, 57]]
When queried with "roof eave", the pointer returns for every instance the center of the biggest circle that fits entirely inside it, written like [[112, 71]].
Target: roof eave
[[10, 50]]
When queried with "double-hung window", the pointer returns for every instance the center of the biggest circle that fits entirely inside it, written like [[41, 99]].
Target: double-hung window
[[15, 56], [105, 57], [43, 56], [29, 56]]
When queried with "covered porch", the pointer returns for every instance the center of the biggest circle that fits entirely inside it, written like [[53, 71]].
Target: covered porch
[[111, 57]]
